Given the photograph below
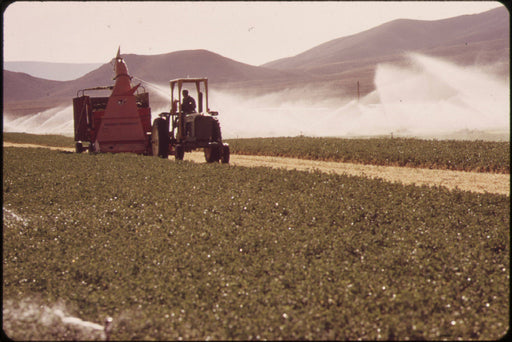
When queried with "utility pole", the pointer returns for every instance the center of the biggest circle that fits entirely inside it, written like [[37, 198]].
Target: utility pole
[[357, 91]]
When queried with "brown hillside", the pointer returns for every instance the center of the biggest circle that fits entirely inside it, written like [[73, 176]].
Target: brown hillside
[[20, 86], [459, 36]]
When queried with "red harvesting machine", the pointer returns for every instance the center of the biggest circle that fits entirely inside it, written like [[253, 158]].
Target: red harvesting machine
[[118, 123]]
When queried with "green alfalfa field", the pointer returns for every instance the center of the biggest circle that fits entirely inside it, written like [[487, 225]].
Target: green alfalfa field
[[178, 250]]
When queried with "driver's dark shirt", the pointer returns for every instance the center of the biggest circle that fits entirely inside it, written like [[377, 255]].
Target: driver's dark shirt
[[189, 105]]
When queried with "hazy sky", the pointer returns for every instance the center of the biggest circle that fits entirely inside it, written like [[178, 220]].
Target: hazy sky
[[249, 32]]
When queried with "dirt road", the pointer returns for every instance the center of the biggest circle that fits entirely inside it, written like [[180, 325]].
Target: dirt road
[[469, 181]]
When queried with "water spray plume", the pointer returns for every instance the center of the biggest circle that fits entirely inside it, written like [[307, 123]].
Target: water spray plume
[[32, 311], [432, 96], [162, 91], [426, 97]]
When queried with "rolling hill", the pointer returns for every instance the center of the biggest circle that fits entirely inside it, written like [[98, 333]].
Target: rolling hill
[[22, 91], [52, 71], [480, 39], [467, 35]]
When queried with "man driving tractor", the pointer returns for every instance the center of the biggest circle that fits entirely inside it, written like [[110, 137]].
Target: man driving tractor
[[189, 104]]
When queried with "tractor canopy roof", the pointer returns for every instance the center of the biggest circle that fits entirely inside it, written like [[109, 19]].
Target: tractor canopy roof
[[201, 87]]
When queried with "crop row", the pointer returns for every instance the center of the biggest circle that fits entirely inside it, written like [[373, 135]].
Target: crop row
[[177, 250], [480, 156], [43, 139]]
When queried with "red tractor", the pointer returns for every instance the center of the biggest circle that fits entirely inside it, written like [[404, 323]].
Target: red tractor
[[186, 129]]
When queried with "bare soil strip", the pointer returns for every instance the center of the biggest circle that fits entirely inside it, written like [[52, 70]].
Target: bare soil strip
[[468, 181]]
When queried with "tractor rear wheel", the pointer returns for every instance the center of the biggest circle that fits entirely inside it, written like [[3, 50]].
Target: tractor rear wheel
[[212, 153], [160, 138]]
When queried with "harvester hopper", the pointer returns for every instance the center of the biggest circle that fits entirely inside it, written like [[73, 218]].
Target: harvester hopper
[[118, 123]]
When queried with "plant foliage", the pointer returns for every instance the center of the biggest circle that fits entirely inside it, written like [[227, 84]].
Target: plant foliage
[[480, 156], [177, 250], [44, 139]]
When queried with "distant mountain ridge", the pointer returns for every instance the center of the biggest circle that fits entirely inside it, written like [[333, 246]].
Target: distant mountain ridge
[[52, 71], [402, 35], [335, 65], [157, 69]]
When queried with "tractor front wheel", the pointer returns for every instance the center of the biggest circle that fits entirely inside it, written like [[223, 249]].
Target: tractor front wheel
[[160, 138], [179, 153], [212, 153], [225, 154]]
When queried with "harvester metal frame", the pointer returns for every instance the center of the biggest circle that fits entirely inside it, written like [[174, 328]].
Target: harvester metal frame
[[88, 112]]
